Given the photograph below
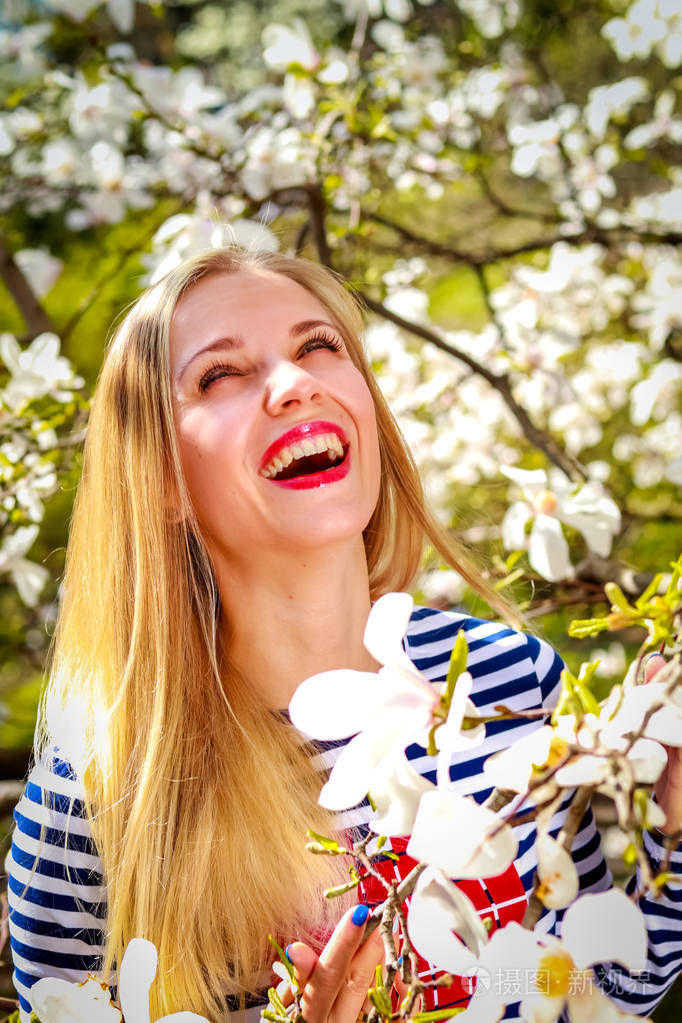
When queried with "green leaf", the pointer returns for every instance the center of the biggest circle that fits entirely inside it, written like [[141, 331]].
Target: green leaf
[[458, 663], [329, 845], [381, 1000], [649, 592], [333, 893], [285, 962], [433, 1017], [580, 628], [502, 584], [618, 599], [275, 1000]]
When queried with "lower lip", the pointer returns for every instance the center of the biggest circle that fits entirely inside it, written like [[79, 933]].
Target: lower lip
[[316, 479]]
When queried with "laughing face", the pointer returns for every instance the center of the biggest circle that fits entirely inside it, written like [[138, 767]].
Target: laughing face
[[275, 423]]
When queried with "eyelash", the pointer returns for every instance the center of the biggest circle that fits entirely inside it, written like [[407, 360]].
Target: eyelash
[[220, 369]]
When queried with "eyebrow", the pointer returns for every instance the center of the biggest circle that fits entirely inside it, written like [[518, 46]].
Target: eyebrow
[[226, 344]]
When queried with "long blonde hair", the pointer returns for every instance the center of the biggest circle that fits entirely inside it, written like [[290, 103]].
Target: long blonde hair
[[199, 798]]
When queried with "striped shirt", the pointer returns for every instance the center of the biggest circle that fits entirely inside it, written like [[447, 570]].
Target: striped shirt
[[57, 892]]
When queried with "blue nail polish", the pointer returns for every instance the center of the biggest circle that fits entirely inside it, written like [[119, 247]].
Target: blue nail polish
[[360, 914], [655, 654], [288, 954]]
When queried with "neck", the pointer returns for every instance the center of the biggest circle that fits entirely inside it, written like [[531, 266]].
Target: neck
[[294, 615]]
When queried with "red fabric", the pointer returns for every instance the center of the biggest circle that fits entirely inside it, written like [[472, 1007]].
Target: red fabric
[[499, 899]]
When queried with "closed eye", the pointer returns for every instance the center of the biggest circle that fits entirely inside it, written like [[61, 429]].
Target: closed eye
[[214, 372], [320, 340]]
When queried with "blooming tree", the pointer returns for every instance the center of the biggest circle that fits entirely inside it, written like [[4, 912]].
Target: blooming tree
[[502, 192]]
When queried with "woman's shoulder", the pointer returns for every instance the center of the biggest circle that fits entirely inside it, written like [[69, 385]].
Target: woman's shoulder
[[503, 661]]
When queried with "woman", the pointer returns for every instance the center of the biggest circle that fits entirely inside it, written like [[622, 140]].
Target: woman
[[245, 495]]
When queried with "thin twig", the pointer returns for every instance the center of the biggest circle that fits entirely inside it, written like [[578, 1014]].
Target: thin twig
[[500, 382]]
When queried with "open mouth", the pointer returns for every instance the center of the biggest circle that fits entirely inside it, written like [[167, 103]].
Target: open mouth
[[310, 457]]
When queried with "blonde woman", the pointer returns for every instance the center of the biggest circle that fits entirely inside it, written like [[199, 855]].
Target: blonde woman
[[245, 496]]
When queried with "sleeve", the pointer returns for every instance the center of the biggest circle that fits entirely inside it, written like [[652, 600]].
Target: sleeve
[[57, 899], [632, 993]]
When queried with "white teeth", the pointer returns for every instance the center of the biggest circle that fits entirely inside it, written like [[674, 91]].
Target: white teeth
[[328, 442]]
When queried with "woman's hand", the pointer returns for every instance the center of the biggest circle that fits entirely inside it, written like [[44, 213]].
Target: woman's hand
[[335, 983], [668, 788]]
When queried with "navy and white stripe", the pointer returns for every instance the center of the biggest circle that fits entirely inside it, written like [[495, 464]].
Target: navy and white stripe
[[57, 894]]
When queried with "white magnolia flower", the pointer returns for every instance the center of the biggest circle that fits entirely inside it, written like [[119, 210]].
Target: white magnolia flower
[[484, 848], [186, 234], [627, 706], [601, 928], [28, 577], [637, 33], [137, 973], [443, 924], [557, 873], [390, 709], [40, 269], [36, 371], [285, 45], [515, 767], [547, 502], [663, 126], [57, 1001]]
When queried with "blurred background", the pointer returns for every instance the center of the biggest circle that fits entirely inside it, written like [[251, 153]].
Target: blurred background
[[500, 182]]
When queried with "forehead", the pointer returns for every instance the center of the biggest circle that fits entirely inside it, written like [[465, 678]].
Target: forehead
[[241, 304]]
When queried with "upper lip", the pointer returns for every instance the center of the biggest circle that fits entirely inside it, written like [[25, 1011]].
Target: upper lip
[[300, 432]]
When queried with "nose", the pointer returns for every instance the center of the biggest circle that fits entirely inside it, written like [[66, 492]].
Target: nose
[[287, 385]]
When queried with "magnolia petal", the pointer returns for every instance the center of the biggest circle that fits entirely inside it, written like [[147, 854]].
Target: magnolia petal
[[589, 1004], [664, 726], [606, 927], [538, 1008], [336, 704], [509, 944], [557, 873], [137, 973], [386, 625], [437, 910], [56, 999], [514, 526], [512, 768], [353, 773], [451, 832], [548, 550], [450, 738], [582, 770], [396, 790], [598, 531], [529, 479]]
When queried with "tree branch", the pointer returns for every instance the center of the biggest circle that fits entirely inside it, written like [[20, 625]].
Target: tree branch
[[317, 207], [37, 320], [501, 383], [591, 233]]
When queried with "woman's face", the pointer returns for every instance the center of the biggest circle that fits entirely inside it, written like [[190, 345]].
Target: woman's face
[[276, 426]]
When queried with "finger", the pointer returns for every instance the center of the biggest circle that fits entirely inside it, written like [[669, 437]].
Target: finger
[[352, 998], [653, 666], [322, 977]]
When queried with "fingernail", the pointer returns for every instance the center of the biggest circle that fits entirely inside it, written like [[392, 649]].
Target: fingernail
[[656, 654], [360, 914], [287, 953]]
